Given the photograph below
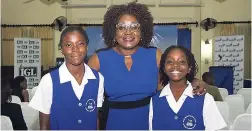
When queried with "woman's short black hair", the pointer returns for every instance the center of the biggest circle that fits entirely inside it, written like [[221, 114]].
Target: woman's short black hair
[[73, 29], [142, 14], [207, 75], [190, 60], [17, 81], [6, 90]]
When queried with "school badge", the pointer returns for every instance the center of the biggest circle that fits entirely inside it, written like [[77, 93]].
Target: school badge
[[189, 122], [90, 105]]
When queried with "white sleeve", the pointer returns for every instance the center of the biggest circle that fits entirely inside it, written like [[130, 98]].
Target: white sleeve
[[100, 96], [211, 115], [42, 99], [150, 115]]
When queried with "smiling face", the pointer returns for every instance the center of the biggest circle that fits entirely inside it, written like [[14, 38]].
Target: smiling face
[[74, 48], [176, 65], [128, 32]]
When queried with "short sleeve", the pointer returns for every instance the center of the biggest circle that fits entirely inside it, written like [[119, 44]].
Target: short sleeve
[[100, 96], [42, 99], [212, 117]]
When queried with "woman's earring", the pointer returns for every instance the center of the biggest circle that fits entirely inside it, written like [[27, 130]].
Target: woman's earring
[[114, 42]]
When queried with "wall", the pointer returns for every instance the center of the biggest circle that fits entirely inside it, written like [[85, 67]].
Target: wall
[[42, 12], [229, 10]]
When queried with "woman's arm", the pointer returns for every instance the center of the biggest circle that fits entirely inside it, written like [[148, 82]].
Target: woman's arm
[[94, 63], [25, 95], [199, 87], [44, 120], [158, 57]]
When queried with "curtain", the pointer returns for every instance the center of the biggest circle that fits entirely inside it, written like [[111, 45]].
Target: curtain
[[184, 37], [7, 50], [239, 29], [47, 43]]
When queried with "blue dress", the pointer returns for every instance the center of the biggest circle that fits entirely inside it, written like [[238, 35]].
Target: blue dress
[[122, 85]]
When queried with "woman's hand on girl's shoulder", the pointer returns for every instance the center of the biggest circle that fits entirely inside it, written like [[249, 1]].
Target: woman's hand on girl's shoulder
[[199, 87]]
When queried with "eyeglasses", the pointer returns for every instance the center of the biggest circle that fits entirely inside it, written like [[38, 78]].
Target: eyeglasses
[[124, 26]]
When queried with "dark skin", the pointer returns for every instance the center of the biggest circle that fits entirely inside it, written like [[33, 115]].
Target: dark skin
[[210, 80], [176, 68], [74, 49], [25, 93], [124, 47], [128, 47]]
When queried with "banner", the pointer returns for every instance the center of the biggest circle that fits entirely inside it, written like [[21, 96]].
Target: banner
[[229, 51], [95, 39], [27, 60], [164, 36]]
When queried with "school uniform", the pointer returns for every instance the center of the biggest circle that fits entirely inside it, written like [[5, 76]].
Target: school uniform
[[71, 106], [190, 112]]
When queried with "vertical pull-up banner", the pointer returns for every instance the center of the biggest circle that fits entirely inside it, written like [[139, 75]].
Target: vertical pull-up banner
[[229, 51], [27, 60]]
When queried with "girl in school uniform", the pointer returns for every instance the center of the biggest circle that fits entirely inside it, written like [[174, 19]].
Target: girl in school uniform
[[175, 107], [67, 97]]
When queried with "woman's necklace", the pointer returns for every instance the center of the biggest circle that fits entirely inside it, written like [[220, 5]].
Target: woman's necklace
[[127, 56]]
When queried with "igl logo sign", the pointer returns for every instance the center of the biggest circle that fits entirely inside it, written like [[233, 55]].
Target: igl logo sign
[[28, 71]]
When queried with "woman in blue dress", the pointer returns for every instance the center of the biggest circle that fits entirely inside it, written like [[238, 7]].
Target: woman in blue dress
[[129, 66]]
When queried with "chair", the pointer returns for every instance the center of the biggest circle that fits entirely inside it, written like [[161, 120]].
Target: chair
[[15, 99], [24, 104], [6, 123], [248, 111], [223, 92], [31, 116], [242, 122], [223, 107], [236, 106], [246, 93]]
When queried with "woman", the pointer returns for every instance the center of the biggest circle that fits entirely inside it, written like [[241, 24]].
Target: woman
[[19, 88], [129, 65], [67, 97], [12, 110]]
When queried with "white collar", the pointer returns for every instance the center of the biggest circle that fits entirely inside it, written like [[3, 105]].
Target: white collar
[[166, 91], [66, 76]]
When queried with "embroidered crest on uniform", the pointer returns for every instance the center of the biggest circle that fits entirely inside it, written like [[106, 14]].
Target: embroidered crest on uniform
[[90, 105], [189, 122]]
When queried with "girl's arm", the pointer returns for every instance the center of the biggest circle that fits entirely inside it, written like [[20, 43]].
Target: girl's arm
[[211, 115]]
